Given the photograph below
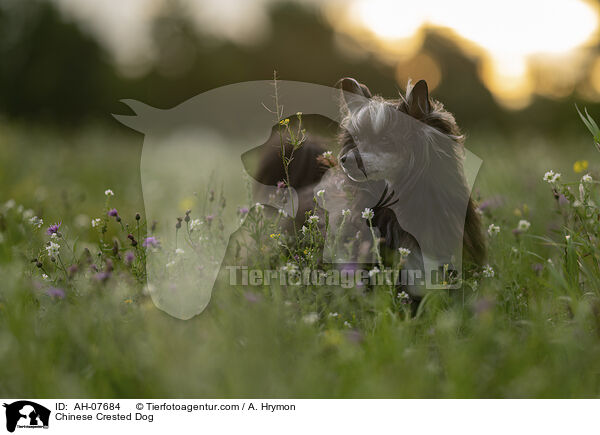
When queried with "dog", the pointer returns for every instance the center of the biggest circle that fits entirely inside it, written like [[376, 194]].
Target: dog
[[401, 159]]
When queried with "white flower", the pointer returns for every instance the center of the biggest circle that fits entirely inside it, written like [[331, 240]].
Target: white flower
[[587, 178], [310, 318], [290, 267], [523, 225], [333, 314], [487, 271], [346, 212], [303, 229], [36, 222], [321, 193], [96, 222], [327, 154], [259, 206], [27, 214], [313, 219], [195, 223], [367, 213], [581, 192], [52, 249], [347, 324], [403, 295], [493, 229], [109, 192], [45, 277], [404, 252], [179, 251], [170, 264], [282, 212], [9, 204], [374, 271], [551, 177]]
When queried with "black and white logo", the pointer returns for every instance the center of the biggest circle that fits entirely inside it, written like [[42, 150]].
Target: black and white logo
[[24, 414]]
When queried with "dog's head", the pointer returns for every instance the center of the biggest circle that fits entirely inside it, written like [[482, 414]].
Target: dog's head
[[383, 138]]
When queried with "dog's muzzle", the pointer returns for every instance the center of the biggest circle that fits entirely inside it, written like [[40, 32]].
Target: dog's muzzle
[[352, 164]]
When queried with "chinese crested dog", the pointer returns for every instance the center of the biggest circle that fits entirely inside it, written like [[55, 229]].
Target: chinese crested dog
[[396, 193]]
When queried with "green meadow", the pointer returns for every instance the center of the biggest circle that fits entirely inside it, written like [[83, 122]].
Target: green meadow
[[78, 321]]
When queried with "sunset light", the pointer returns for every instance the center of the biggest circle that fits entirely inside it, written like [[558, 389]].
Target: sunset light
[[507, 37]]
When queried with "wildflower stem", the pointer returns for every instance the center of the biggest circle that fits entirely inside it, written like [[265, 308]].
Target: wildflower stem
[[64, 269], [284, 159], [375, 244]]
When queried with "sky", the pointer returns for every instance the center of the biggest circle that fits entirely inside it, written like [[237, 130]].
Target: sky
[[524, 47]]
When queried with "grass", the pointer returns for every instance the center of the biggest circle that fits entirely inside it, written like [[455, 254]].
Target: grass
[[531, 330]]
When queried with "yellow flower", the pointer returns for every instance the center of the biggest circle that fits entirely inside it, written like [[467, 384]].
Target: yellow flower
[[275, 235], [128, 301], [186, 203], [517, 212], [332, 337], [285, 121], [306, 252], [580, 166]]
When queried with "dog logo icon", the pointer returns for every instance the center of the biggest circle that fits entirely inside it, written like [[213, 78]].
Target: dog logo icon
[[26, 414]]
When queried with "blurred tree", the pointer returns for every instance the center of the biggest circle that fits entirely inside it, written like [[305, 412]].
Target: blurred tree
[[50, 69]]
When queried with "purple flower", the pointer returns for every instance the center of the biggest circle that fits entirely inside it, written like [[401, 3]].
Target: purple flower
[[280, 184], [129, 257], [73, 269], [562, 200], [537, 267], [53, 229], [252, 297], [55, 292], [150, 241], [354, 336], [209, 218], [491, 203], [483, 306], [113, 212], [102, 276], [243, 210]]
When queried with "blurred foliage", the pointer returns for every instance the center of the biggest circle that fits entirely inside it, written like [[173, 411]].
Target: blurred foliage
[[53, 71]]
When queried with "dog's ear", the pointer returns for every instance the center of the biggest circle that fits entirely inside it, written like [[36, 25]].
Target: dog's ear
[[349, 84], [417, 101]]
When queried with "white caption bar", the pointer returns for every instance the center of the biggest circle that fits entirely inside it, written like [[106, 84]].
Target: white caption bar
[[306, 416]]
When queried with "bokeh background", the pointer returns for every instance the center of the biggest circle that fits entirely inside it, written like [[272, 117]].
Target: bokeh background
[[503, 66]]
